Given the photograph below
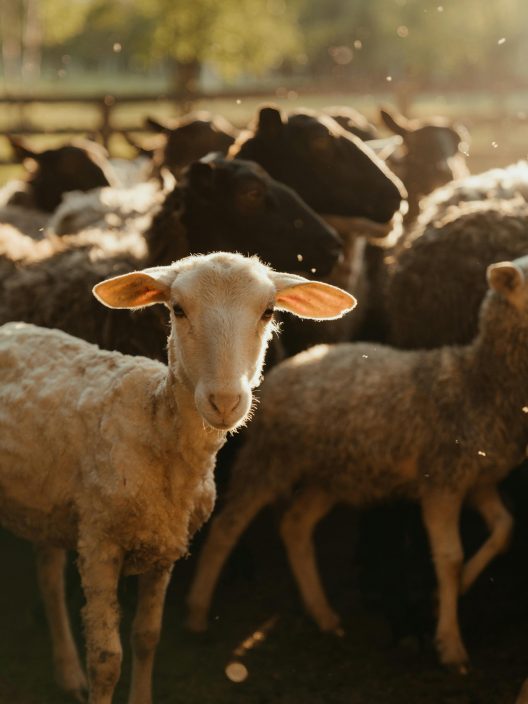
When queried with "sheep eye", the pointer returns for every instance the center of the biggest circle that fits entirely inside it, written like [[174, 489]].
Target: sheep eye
[[254, 194], [178, 311], [268, 313]]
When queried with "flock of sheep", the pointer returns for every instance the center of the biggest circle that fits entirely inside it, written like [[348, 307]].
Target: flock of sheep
[[110, 420]]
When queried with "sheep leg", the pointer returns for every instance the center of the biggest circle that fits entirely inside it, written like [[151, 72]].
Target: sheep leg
[[297, 526], [441, 514], [146, 631], [68, 670], [100, 565], [487, 501], [225, 530], [523, 694]]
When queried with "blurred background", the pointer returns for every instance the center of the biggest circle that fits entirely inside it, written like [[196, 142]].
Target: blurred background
[[75, 66]]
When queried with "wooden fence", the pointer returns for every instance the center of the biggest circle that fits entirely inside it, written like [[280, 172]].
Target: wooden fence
[[107, 103], [500, 120]]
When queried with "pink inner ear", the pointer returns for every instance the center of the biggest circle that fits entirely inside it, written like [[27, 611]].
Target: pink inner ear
[[149, 295], [294, 301]]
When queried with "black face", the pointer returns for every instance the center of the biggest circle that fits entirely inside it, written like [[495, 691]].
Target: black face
[[68, 168], [236, 206], [191, 140], [332, 170], [430, 150]]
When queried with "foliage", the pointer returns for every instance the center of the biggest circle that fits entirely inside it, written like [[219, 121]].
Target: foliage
[[434, 41]]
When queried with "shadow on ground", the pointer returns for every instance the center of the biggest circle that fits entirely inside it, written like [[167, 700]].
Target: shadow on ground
[[294, 664]]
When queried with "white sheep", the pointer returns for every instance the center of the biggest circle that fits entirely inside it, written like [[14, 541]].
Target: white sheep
[[113, 455], [360, 423]]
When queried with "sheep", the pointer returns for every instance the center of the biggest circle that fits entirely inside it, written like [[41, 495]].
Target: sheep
[[435, 286], [120, 209], [190, 138], [219, 205], [77, 166], [506, 183], [132, 478], [331, 169], [433, 153], [341, 179], [440, 427]]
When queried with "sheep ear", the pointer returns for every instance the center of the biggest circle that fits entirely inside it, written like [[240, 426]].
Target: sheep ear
[[21, 150], [311, 299], [269, 121], [134, 290], [154, 125], [504, 277], [398, 126], [201, 175]]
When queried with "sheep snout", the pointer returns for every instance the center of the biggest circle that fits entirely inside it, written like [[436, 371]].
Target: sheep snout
[[224, 409]]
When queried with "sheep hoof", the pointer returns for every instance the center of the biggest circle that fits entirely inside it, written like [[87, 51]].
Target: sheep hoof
[[80, 695], [523, 694], [454, 657], [73, 681], [331, 623]]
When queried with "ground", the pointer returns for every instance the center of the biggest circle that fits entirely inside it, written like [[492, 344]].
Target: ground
[[292, 663]]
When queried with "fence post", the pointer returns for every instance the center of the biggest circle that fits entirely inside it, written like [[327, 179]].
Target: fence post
[[107, 104]]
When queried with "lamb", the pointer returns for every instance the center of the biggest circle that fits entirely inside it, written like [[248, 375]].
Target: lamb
[[132, 478], [440, 427], [219, 205]]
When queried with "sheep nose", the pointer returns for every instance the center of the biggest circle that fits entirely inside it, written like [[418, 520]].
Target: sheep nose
[[224, 404]]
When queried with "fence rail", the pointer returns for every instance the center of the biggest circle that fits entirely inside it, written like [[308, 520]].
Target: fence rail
[[106, 104]]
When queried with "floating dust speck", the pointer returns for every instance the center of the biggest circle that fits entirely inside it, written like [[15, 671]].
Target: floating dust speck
[[481, 453], [388, 79], [402, 31], [524, 409], [236, 672], [494, 145], [300, 257], [117, 47], [313, 270], [365, 356], [238, 101], [502, 40]]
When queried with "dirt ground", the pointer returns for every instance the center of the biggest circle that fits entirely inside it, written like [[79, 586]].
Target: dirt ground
[[293, 663]]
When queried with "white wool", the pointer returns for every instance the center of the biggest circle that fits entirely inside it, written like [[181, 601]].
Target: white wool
[[502, 183], [122, 209]]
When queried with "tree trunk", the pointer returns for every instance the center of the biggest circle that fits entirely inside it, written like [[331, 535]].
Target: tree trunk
[[185, 83], [10, 35], [32, 41]]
